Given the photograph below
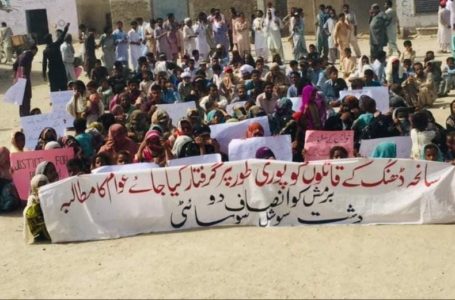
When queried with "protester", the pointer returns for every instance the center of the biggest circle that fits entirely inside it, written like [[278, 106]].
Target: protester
[[9, 198], [52, 60], [34, 226]]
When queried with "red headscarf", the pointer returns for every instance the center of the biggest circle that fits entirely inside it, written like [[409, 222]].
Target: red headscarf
[[254, 128], [118, 140]]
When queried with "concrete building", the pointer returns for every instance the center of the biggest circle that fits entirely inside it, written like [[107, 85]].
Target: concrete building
[[94, 13], [39, 18]]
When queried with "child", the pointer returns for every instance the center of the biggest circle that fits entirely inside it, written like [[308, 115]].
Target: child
[[431, 152], [106, 93], [420, 136], [78, 104], [146, 83], [124, 158], [101, 159], [407, 66], [348, 63], [448, 74], [99, 72], [95, 107], [408, 52], [313, 53], [338, 152]]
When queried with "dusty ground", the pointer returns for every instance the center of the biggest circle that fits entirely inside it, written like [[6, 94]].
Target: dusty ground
[[304, 262]]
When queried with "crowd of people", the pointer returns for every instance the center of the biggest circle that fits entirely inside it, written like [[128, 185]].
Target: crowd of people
[[211, 63]]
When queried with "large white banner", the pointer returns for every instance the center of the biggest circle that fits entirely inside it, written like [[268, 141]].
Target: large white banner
[[254, 192], [281, 146]]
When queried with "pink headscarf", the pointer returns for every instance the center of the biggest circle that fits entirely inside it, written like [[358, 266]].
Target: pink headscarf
[[310, 95], [118, 140]]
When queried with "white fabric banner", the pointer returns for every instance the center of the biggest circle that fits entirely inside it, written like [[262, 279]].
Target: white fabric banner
[[226, 132], [15, 94], [192, 160], [253, 192], [404, 145], [125, 168], [241, 149]]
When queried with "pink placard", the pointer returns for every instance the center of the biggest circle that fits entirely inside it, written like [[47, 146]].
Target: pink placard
[[319, 143], [24, 164]]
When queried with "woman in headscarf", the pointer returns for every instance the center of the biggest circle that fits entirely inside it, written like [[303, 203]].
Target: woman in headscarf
[[314, 119], [52, 145], [117, 141], [265, 153], [394, 71], [215, 116], [161, 118], [450, 122], [119, 114], [34, 225], [69, 141], [281, 116], [137, 126], [255, 129], [385, 150], [432, 152], [48, 134], [17, 141], [47, 169], [154, 149], [185, 146], [9, 199]]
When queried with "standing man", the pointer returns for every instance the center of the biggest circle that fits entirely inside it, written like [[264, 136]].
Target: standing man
[[22, 69], [189, 37], [135, 42], [393, 28], [322, 38], [121, 45], [68, 53], [451, 7], [5, 40], [273, 27], [52, 58], [342, 35], [378, 31], [351, 19], [298, 35], [260, 40]]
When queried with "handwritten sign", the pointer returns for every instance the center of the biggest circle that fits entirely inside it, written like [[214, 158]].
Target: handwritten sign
[[225, 133], [404, 145], [15, 94], [59, 101], [319, 143], [249, 193], [24, 165], [177, 111], [296, 103], [33, 125], [196, 160], [241, 149], [379, 94], [231, 107]]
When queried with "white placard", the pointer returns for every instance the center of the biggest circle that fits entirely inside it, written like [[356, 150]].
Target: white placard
[[231, 107], [240, 149], [59, 101], [404, 145], [177, 111], [379, 94], [33, 125], [296, 103], [226, 132], [196, 160], [15, 94]]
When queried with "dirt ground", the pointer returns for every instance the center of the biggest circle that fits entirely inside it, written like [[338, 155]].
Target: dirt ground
[[299, 262]]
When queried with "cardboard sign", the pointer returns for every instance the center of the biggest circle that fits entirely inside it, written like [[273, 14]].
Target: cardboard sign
[[319, 143], [59, 101], [24, 164], [404, 145], [240, 149], [225, 133], [177, 111], [33, 125], [379, 94], [196, 160], [15, 94], [125, 168], [231, 107]]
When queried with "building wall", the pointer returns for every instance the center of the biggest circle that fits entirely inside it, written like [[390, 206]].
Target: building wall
[[93, 13], [410, 20], [59, 12], [127, 11]]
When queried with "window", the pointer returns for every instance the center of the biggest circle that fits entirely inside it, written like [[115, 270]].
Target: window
[[426, 6]]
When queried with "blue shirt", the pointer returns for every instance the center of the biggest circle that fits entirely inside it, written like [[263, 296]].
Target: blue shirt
[[121, 48]]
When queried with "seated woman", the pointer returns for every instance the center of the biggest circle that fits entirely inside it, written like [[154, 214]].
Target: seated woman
[[314, 111], [265, 153], [117, 141], [47, 169], [385, 150], [9, 199], [48, 134], [137, 126], [17, 142], [34, 226], [185, 146], [154, 149]]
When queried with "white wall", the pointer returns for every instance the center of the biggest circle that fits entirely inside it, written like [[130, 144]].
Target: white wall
[[59, 12], [408, 18]]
